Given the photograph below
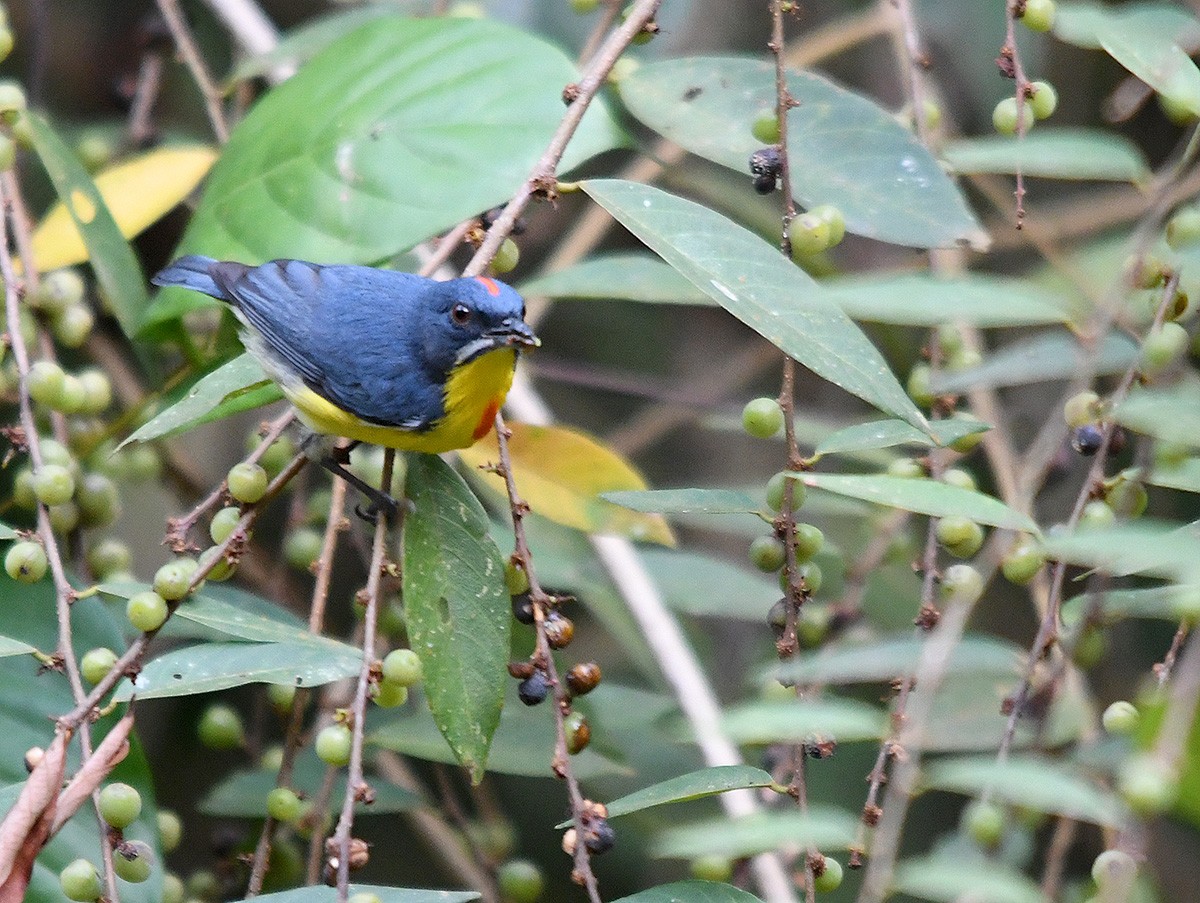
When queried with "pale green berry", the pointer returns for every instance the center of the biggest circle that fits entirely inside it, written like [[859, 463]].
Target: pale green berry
[[1044, 99]]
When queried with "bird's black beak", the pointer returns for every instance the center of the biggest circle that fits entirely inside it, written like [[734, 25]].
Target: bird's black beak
[[514, 332]]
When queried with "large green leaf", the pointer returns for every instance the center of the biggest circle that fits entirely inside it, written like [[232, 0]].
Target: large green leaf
[[391, 134], [756, 284], [31, 697], [1051, 153], [1147, 547], [914, 299], [885, 659], [321, 894], [239, 385], [692, 786], [922, 496], [698, 584], [692, 892], [822, 828], [1171, 414], [1170, 602], [887, 433], [1146, 40], [457, 606], [113, 261], [1184, 476], [1050, 356], [1031, 781], [625, 277], [848, 151], [948, 879], [796, 721], [687, 501]]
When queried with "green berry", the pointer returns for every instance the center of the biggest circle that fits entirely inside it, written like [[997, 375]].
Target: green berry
[[217, 567], [73, 325], [712, 867], [1178, 108], [508, 255], [202, 884], [390, 695], [223, 523], [1121, 718], [284, 805], [57, 291], [120, 805], [1044, 99], [919, 385], [961, 583], [170, 830], [12, 98], [278, 455], [811, 576], [271, 758], [1090, 648], [1096, 515], [144, 463], [765, 127], [53, 484], [984, 822], [813, 625], [26, 561], [97, 390], [6, 42], [221, 728], [281, 697], [109, 556], [1113, 868], [520, 881], [516, 579], [960, 536], [1185, 604], [584, 6], [767, 553], [762, 417], [94, 151], [1127, 498], [833, 218], [810, 234], [1005, 116], [173, 890], [46, 379], [133, 861], [96, 663], [1081, 409], [1039, 15], [73, 397], [1163, 346], [956, 476], [950, 339], [776, 491], [146, 611], [908, 468], [173, 580], [1183, 229], [1023, 562], [809, 541], [333, 745], [303, 547], [1146, 786], [247, 482], [831, 878], [80, 881], [403, 668], [98, 499], [23, 494], [63, 518], [965, 444]]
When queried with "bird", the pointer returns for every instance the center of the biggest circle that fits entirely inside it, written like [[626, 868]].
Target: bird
[[373, 355]]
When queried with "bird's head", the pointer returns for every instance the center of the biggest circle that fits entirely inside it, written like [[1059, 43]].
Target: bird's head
[[473, 316]]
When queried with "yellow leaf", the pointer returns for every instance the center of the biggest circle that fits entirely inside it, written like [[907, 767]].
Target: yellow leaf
[[138, 192], [560, 473]]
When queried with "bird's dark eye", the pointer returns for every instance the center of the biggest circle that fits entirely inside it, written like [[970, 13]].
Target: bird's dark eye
[[460, 314]]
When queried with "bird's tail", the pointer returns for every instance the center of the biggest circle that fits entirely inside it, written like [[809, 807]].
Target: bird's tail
[[201, 274]]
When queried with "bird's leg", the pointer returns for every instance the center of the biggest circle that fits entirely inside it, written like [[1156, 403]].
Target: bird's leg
[[335, 460]]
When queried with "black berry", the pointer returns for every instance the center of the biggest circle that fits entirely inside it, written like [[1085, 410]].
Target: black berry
[[522, 608], [533, 689], [1087, 439], [766, 166], [599, 836]]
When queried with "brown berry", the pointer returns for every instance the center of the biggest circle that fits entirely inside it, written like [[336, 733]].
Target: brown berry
[[583, 678]]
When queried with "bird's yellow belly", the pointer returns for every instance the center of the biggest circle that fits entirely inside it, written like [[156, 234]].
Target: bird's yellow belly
[[473, 395]]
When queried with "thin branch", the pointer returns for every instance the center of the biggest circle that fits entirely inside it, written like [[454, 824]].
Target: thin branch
[[191, 56]]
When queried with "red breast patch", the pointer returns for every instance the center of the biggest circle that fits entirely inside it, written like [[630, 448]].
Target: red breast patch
[[488, 420], [492, 290]]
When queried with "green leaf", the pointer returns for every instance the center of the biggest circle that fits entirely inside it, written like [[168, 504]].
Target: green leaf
[[241, 615], [822, 828], [698, 584], [947, 879], [693, 786], [686, 501], [243, 794], [7, 532], [923, 496], [756, 284], [1051, 356], [239, 385], [1169, 414], [885, 659], [889, 188], [691, 892], [1034, 782], [887, 433], [208, 667], [1146, 547], [912, 299], [391, 134], [113, 261], [1062, 153], [9, 646], [1146, 41], [522, 745], [797, 721], [1166, 602], [1184, 476], [320, 894], [457, 606], [623, 277]]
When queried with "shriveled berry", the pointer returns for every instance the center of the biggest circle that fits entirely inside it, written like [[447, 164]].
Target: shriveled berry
[[583, 678], [120, 805], [522, 609], [133, 861], [533, 689], [333, 745], [96, 663], [766, 165], [1087, 439], [765, 184], [599, 836]]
